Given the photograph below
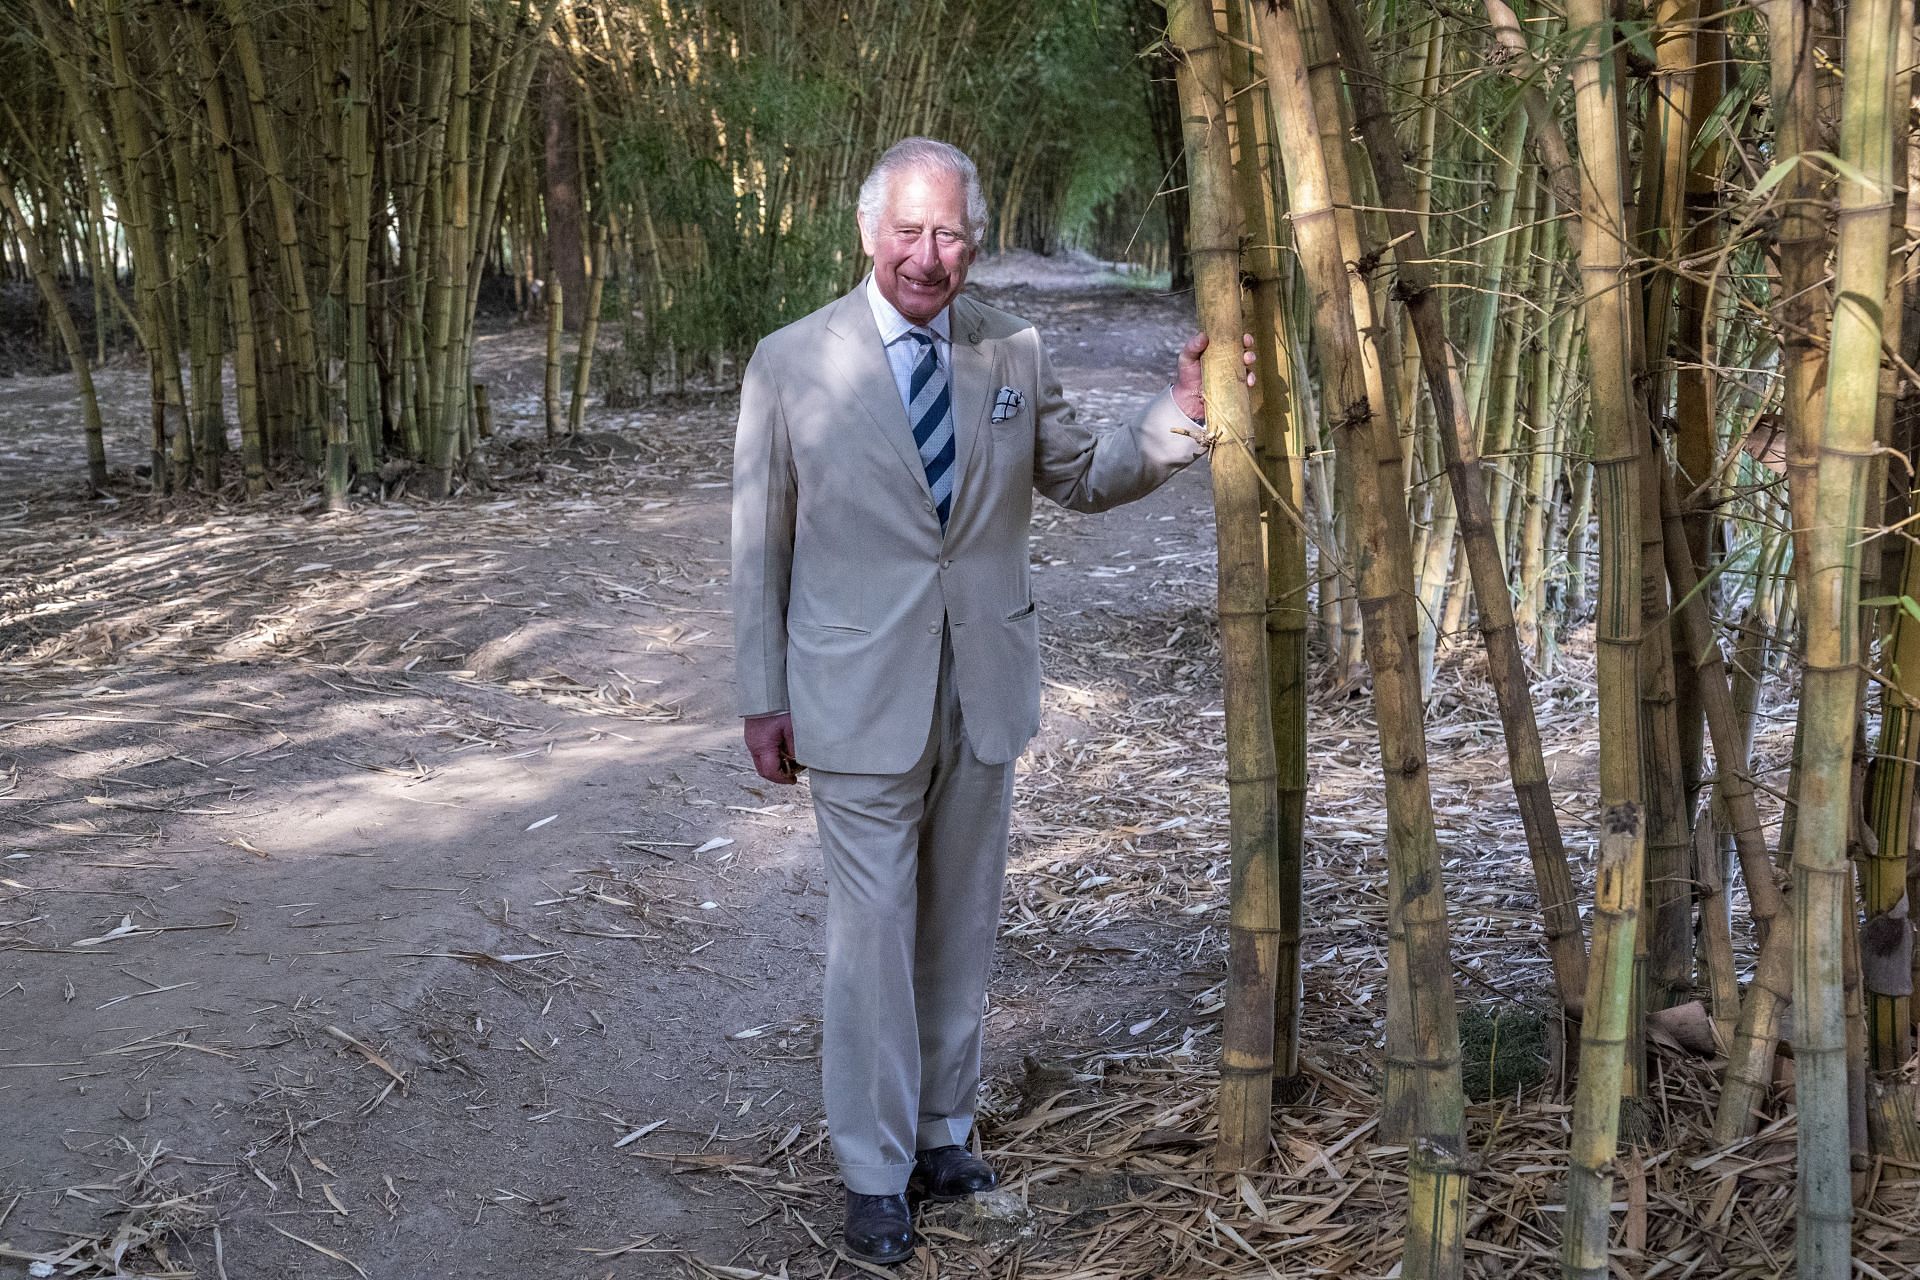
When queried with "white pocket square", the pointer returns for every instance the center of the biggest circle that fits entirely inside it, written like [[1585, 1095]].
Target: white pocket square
[[1006, 403]]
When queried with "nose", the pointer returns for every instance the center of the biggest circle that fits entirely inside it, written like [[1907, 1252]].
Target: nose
[[926, 253]]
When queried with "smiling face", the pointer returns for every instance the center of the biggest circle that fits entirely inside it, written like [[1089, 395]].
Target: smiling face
[[919, 243]]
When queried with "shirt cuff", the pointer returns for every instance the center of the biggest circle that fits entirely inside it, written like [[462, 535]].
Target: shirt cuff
[[1200, 421]]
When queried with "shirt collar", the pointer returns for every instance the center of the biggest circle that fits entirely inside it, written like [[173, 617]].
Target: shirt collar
[[894, 326]]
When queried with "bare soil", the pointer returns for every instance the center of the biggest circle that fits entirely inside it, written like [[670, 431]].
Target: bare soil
[[369, 877], [387, 893]]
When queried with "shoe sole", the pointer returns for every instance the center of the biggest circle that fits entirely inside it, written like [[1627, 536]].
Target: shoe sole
[[878, 1259]]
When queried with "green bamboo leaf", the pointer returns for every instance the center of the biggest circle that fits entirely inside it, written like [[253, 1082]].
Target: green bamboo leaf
[[1773, 177], [1634, 32], [1907, 604], [1850, 172], [1733, 106]]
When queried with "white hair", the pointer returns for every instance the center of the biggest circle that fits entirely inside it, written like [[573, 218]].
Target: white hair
[[923, 154]]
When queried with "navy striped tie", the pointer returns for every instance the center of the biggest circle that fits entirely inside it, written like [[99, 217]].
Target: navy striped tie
[[930, 410]]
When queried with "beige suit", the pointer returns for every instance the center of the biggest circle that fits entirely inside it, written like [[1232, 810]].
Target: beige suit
[[909, 659]]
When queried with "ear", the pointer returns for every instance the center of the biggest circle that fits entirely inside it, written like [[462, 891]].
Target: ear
[[866, 235]]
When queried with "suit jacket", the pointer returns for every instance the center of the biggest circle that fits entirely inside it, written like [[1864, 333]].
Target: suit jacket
[[843, 582]]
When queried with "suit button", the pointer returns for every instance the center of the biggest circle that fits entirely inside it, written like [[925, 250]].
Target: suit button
[[927, 505], [933, 629], [946, 564]]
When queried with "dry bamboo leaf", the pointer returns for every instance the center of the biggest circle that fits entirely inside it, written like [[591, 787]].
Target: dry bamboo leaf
[[638, 1134], [321, 1249], [368, 1053]]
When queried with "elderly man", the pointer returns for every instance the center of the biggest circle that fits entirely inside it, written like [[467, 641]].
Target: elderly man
[[888, 451]]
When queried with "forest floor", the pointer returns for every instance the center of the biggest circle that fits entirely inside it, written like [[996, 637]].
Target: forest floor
[[388, 893]]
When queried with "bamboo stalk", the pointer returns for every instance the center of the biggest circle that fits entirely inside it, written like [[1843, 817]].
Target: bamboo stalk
[[1505, 665], [1417, 924], [1499, 243], [1733, 786], [1667, 936], [1545, 433], [1801, 249], [1888, 932], [142, 215], [1618, 438], [315, 423], [1499, 426], [447, 380], [246, 357], [359, 187], [56, 301], [1830, 686], [1694, 436], [550, 390], [1278, 446], [1246, 1055], [1402, 1087], [589, 337], [1556, 157], [482, 411]]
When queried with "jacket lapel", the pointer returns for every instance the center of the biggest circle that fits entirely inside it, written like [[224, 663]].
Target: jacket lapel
[[856, 353], [972, 394]]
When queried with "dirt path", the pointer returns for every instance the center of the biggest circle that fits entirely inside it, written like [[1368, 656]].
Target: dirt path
[[388, 893], [445, 799]]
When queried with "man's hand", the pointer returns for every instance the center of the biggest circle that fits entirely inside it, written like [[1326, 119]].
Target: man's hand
[[1186, 382], [770, 743]]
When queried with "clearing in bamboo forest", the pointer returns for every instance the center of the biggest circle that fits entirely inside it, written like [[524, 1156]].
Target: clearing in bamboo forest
[[1471, 830]]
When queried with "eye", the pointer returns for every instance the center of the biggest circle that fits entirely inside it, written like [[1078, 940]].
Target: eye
[[947, 236]]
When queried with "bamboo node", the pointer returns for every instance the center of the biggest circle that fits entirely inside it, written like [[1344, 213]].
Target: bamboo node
[[1621, 819]]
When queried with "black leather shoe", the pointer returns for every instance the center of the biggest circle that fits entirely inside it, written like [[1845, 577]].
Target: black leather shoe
[[951, 1173], [879, 1228]]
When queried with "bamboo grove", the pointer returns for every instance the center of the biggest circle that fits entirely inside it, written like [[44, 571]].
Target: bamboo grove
[[1617, 300], [299, 214], [1566, 316]]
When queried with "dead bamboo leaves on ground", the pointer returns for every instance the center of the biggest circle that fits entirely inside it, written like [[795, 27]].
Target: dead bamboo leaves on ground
[[1115, 918]]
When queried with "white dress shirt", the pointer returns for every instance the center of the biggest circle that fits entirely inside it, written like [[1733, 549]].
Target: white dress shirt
[[903, 353]]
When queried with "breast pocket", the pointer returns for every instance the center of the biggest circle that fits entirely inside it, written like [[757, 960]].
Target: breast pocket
[[1009, 406]]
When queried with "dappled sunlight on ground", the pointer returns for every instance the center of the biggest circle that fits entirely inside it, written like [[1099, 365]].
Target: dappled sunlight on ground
[[394, 884]]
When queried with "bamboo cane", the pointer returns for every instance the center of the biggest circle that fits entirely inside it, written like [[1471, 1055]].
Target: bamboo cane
[[1417, 928], [1836, 506], [1246, 1056], [1278, 446], [1499, 426], [142, 215], [359, 209], [447, 379], [1544, 432], [56, 301], [1556, 157], [246, 358], [1402, 1088], [315, 422], [1733, 788], [1506, 667], [1888, 932], [1669, 886], [1485, 325], [1801, 248], [1618, 438], [550, 391], [589, 337]]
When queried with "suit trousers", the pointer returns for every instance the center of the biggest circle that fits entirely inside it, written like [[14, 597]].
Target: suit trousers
[[915, 863]]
